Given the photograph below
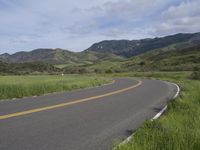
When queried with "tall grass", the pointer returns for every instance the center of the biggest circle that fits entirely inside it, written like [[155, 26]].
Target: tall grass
[[179, 128], [21, 86]]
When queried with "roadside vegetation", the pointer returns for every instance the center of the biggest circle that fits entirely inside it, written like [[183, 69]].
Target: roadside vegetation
[[22, 86], [179, 127], [27, 68]]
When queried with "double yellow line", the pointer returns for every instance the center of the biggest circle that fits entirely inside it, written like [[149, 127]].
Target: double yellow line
[[67, 103]]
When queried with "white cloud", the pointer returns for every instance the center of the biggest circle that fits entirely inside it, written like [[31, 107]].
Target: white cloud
[[185, 9], [75, 25], [184, 17]]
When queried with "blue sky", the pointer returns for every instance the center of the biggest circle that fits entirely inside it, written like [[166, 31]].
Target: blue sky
[[75, 25]]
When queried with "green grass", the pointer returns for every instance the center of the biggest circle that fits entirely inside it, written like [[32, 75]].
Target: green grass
[[22, 86], [179, 128]]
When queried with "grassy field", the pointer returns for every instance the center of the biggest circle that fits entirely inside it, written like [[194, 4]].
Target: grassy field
[[179, 128], [22, 86]]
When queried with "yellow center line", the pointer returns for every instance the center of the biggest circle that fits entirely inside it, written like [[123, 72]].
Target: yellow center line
[[67, 103]]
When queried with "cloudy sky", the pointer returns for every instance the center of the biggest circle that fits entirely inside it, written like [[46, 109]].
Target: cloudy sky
[[76, 24]]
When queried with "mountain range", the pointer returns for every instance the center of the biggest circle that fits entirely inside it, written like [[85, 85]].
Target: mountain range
[[56, 56], [130, 52], [128, 48]]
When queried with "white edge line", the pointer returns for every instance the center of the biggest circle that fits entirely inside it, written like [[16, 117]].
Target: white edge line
[[178, 91], [159, 114], [154, 118], [165, 108]]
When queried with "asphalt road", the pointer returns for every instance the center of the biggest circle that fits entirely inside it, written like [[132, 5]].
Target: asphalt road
[[89, 119]]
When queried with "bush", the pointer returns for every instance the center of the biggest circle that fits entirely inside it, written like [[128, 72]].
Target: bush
[[109, 71], [195, 75], [142, 63]]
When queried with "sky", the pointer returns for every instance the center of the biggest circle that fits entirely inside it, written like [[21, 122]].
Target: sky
[[75, 25]]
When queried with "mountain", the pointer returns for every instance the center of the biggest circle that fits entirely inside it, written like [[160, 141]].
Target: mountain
[[56, 56], [166, 59], [113, 50], [127, 48], [170, 58], [40, 55]]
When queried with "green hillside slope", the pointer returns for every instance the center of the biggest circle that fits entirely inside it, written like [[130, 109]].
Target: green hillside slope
[[128, 48], [57, 56], [170, 58], [166, 60]]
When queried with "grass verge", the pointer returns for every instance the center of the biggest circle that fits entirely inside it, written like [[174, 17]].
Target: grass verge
[[22, 86], [179, 128]]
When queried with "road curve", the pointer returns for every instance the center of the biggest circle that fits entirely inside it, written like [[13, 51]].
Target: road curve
[[88, 119]]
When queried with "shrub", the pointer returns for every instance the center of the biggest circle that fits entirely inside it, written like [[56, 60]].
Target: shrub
[[195, 75]]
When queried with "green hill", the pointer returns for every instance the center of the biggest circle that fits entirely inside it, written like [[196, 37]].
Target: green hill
[[171, 53], [105, 50], [57, 56], [27, 68], [170, 58], [166, 59], [128, 48]]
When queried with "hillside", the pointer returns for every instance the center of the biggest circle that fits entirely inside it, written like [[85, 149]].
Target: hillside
[[41, 55], [171, 53], [56, 56], [27, 68], [128, 48], [105, 50], [166, 59], [170, 58]]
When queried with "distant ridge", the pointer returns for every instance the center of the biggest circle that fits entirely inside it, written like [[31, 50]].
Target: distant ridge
[[105, 50], [55, 56], [129, 48]]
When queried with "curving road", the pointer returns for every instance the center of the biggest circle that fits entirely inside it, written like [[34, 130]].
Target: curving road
[[89, 119]]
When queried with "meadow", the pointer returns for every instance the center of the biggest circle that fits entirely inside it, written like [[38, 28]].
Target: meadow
[[31, 85], [179, 127]]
